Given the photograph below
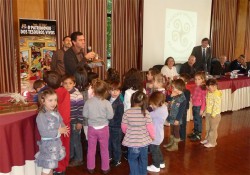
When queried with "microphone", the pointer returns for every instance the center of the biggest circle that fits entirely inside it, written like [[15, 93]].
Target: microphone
[[89, 49]]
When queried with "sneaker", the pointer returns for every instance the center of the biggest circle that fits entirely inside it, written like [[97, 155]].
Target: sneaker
[[152, 168], [162, 165], [196, 137], [115, 164], [191, 135], [204, 141], [209, 145]]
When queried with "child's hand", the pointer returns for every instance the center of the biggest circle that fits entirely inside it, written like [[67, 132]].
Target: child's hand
[[176, 122], [64, 130], [78, 126], [201, 113]]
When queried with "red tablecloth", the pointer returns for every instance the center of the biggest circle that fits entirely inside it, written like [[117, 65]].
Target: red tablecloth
[[227, 83], [18, 136]]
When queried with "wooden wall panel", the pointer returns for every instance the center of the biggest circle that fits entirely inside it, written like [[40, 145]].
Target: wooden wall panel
[[31, 9], [241, 27]]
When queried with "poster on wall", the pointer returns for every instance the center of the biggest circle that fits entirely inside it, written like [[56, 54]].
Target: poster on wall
[[37, 43]]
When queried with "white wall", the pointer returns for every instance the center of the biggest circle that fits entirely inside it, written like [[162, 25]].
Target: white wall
[[156, 36]]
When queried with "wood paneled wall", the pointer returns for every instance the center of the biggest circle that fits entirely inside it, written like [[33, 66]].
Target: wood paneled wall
[[241, 27]]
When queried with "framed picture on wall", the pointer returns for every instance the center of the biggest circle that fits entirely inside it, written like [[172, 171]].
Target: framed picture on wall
[[25, 57], [36, 45], [47, 53], [51, 44]]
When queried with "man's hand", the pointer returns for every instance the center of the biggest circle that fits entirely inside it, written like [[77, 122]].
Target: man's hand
[[90, 55]]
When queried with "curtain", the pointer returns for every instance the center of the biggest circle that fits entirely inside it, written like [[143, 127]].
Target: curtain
[[223, 28], [127, 17], [8, 65], [247, 40], [86, 16]]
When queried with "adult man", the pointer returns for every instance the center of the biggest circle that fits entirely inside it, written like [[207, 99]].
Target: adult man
[[57, 63], [189, 66], [239, 64], [202, 54], [221, 66], [75, 56]]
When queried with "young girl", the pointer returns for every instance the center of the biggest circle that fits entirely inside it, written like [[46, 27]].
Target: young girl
[[198, 100], [159, 116], [50, 126], [98, 111], [53, 80], [178, 107], [83, 78], [213, 116], [139, 133], [148, 84], [159, 83], [134, 83]]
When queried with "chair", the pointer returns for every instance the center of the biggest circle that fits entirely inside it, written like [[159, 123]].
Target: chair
[[178, 67]]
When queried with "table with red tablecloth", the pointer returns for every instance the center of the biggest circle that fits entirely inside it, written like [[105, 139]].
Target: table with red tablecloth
[[234, 93], [18, 137]]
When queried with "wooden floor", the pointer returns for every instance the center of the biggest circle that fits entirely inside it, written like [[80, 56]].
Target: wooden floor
[[230, 157]]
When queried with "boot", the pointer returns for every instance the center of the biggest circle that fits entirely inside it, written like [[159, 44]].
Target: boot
[[170, 143], [174, 147]]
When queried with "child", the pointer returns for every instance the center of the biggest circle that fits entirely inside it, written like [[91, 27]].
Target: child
[[115, 124], [139, 133], [134, 83], [159, 116], [198, 100], [76, 106], [39, 86], [84, 78], [185, 77], [148, 84], [178, 107], [50, 126], [98, 111], [159, 83], [112, 76], [53, 80], [213, 110]]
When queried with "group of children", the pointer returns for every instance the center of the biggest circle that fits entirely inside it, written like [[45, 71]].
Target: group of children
[[131, 115]]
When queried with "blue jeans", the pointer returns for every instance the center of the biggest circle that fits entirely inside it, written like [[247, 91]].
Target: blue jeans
[[138, 160], [115, 137], [197, 119], [75, 144]]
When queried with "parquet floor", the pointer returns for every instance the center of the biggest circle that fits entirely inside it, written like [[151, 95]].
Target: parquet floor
[[230, 157]]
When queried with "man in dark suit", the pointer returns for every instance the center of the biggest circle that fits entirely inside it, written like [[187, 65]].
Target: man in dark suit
[[220, 66], [57, 63], [75, 56], [239, 64], [202, 54], [188, 67]]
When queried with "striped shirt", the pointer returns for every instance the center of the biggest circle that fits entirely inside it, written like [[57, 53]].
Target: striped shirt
[[76, 106], [137, 134]]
